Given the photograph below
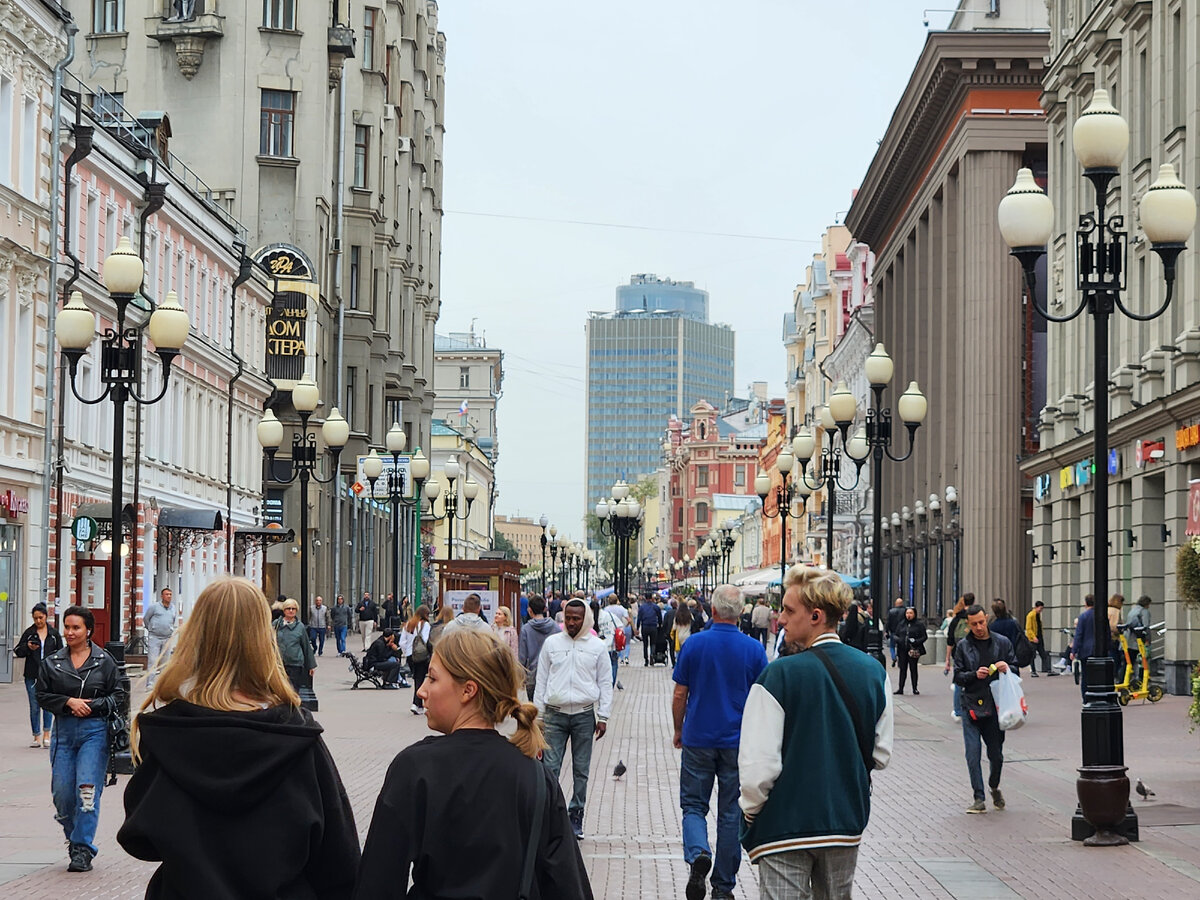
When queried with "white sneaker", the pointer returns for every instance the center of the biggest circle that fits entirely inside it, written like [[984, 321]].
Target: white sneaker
[[956, 717], [416, 710]]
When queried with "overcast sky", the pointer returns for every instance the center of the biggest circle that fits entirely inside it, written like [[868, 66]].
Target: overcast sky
[[702, 140]]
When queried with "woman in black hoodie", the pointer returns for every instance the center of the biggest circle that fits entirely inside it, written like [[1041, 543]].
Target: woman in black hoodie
[[225, 756], [910, 646]]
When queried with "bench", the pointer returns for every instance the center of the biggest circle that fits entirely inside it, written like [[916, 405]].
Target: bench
[[361, 673]]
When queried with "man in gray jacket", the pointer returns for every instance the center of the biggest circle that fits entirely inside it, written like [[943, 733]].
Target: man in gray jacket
[[533, 635], [160, 621]]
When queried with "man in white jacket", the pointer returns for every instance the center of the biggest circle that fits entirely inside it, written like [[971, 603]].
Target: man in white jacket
[[574, 697]]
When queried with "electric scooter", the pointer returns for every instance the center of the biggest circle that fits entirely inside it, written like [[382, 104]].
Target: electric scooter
[[1143, 689]]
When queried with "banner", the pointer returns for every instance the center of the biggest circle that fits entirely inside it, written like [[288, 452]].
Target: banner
[[1193, 519], [490, 600]]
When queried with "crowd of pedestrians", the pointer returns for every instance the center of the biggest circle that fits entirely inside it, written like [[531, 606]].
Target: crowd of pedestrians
[[776, 709]]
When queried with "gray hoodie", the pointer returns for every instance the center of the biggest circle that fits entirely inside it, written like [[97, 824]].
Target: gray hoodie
[[529, 645]]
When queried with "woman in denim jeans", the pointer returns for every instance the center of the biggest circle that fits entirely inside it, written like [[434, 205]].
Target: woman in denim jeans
[[39, 641], [80, 685]]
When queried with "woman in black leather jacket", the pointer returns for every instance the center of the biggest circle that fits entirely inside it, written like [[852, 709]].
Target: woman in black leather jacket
[[38, 641], [910, 646], [80, 685]]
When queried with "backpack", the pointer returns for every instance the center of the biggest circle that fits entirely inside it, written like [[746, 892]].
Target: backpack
[[420, 648], [1023, 650]]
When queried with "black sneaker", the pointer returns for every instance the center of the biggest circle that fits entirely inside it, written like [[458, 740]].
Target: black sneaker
[[695, 884], [576, 817], [81, 859]]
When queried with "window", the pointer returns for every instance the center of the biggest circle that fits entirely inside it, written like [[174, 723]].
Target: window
[[355, 270], [739, 476], [701, 476], [1179, 70], [701, 513], [6, 124], [275, 130], [679, 517], [279, 14], [107, 106], [29, 148], [464, 376], [92, 237], [362, 138], [368, 38], [351, 388], [108, 16]]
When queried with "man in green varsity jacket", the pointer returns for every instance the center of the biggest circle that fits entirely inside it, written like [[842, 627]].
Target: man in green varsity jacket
[[814, 725]]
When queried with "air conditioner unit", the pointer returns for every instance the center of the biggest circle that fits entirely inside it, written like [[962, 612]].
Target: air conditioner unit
[[389, 112], [404, 145]]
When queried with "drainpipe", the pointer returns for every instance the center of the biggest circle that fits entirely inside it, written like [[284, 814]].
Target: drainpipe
[[339, 490], [48, 468], [83, 146], [245, 267]]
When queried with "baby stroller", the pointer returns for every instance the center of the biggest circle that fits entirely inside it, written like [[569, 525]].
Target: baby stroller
[[659, 650]]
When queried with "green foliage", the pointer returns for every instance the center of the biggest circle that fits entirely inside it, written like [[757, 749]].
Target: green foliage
[[1187, 572], [644, 489], [600, 542], [500, 542]]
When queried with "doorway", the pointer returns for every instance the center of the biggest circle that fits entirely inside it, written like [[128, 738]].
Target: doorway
[[91, 576], [10, 607]]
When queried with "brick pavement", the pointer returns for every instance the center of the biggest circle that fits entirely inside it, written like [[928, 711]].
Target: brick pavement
[[919, 843]]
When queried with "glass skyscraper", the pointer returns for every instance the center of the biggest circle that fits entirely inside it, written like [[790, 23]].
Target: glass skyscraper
[[653, 357]]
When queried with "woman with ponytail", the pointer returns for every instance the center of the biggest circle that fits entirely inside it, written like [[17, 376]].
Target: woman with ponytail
[[457, 814]]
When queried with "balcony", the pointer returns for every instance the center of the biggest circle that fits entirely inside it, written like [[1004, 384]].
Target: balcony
[[187, 25]]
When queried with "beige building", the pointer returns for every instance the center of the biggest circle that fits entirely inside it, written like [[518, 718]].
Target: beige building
[[948, 310], [526, 535], [1147, 62], [467, 378], [469, 532], [319, 126]]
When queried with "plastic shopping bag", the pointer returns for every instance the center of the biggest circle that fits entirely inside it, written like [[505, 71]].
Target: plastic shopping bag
[[1011, 709]]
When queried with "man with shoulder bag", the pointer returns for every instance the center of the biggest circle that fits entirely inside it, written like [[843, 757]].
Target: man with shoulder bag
[[979, 658]]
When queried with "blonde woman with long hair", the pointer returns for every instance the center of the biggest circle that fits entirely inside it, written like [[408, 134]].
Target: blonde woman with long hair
[[227, 759], [472, 796]]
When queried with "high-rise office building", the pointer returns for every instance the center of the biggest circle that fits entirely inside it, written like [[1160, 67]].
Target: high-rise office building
[[654, 356]]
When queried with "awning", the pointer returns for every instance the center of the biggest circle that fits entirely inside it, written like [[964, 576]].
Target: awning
[[191, 519], [264, 535], [102, 513]]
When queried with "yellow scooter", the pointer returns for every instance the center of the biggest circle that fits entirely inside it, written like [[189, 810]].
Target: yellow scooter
[[1142, 689]]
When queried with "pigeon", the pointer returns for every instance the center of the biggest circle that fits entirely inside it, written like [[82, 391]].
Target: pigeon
[[1144, 791], [620, 770]]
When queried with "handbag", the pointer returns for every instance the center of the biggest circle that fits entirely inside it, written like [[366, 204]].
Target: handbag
[[914, 654], [535, 833]]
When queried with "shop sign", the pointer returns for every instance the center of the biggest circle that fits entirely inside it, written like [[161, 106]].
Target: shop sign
[[14, 505], [84, 528], [1084, 470], [284, 261], [1148, 452], [1187, 437], [273, 508], [1193, 516], [1066, 477], [1114, 462], [1041, 487]]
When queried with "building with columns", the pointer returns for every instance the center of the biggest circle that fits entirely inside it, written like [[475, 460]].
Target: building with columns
[[948, 303], [1147, 63]]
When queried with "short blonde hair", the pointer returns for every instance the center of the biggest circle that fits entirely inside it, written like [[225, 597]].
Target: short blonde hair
[[469, 654], [820, 589], [225, 646]]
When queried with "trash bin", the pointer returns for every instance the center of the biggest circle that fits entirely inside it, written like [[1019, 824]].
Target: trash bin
[[938, 648]]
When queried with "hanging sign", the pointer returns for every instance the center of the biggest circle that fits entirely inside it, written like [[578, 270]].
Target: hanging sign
[[1193, 516], [1187, 437], [284, 261], [84, 528]]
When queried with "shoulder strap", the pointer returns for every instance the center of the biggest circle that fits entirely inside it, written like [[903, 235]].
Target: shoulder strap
[[865, 744], [535, 834]]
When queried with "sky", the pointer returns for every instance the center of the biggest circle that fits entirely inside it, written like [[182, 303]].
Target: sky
[[701, 140]]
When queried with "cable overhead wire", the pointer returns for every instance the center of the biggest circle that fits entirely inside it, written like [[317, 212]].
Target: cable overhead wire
[[630, 226]]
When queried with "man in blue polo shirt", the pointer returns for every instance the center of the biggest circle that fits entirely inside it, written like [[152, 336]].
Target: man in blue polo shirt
[[713, 676]]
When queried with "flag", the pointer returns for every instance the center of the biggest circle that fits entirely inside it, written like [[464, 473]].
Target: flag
[[462, 409]]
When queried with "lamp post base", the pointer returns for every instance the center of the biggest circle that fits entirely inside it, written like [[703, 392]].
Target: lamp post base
[[1082, 830]]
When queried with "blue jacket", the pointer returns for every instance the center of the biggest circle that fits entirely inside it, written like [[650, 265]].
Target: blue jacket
[[648, 616], [1084, 644]]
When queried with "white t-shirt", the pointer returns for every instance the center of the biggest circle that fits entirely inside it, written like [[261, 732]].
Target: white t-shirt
[[612, 617]]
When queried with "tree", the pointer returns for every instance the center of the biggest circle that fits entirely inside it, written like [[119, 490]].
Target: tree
[[501, 542]]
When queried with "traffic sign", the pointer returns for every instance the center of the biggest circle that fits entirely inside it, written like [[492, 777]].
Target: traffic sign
[[84, 528]]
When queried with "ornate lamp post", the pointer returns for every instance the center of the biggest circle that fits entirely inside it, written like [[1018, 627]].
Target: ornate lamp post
[[121, 374], [543, 521], [303, 464], [836, 418], [726, 546], [912, 408], [1026, 218], [620, 518], [938, 537], [785, 492], [396, 489], [470, 491]]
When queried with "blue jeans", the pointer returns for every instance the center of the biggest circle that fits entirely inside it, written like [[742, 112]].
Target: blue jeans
[[580, 728], [612, 656], [78, 762], [698, 768], [35, 711], [340, 634], [316, 637], [987, 732]]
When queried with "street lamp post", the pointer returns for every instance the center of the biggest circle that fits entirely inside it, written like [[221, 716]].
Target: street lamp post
[[620, 518], [121, 374], [936, 534], [449, 514], [912, 408], [785, 493], [1026, 219], [303, 464], [543, 521], [727, 542], [553, 558], [373, 468]]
